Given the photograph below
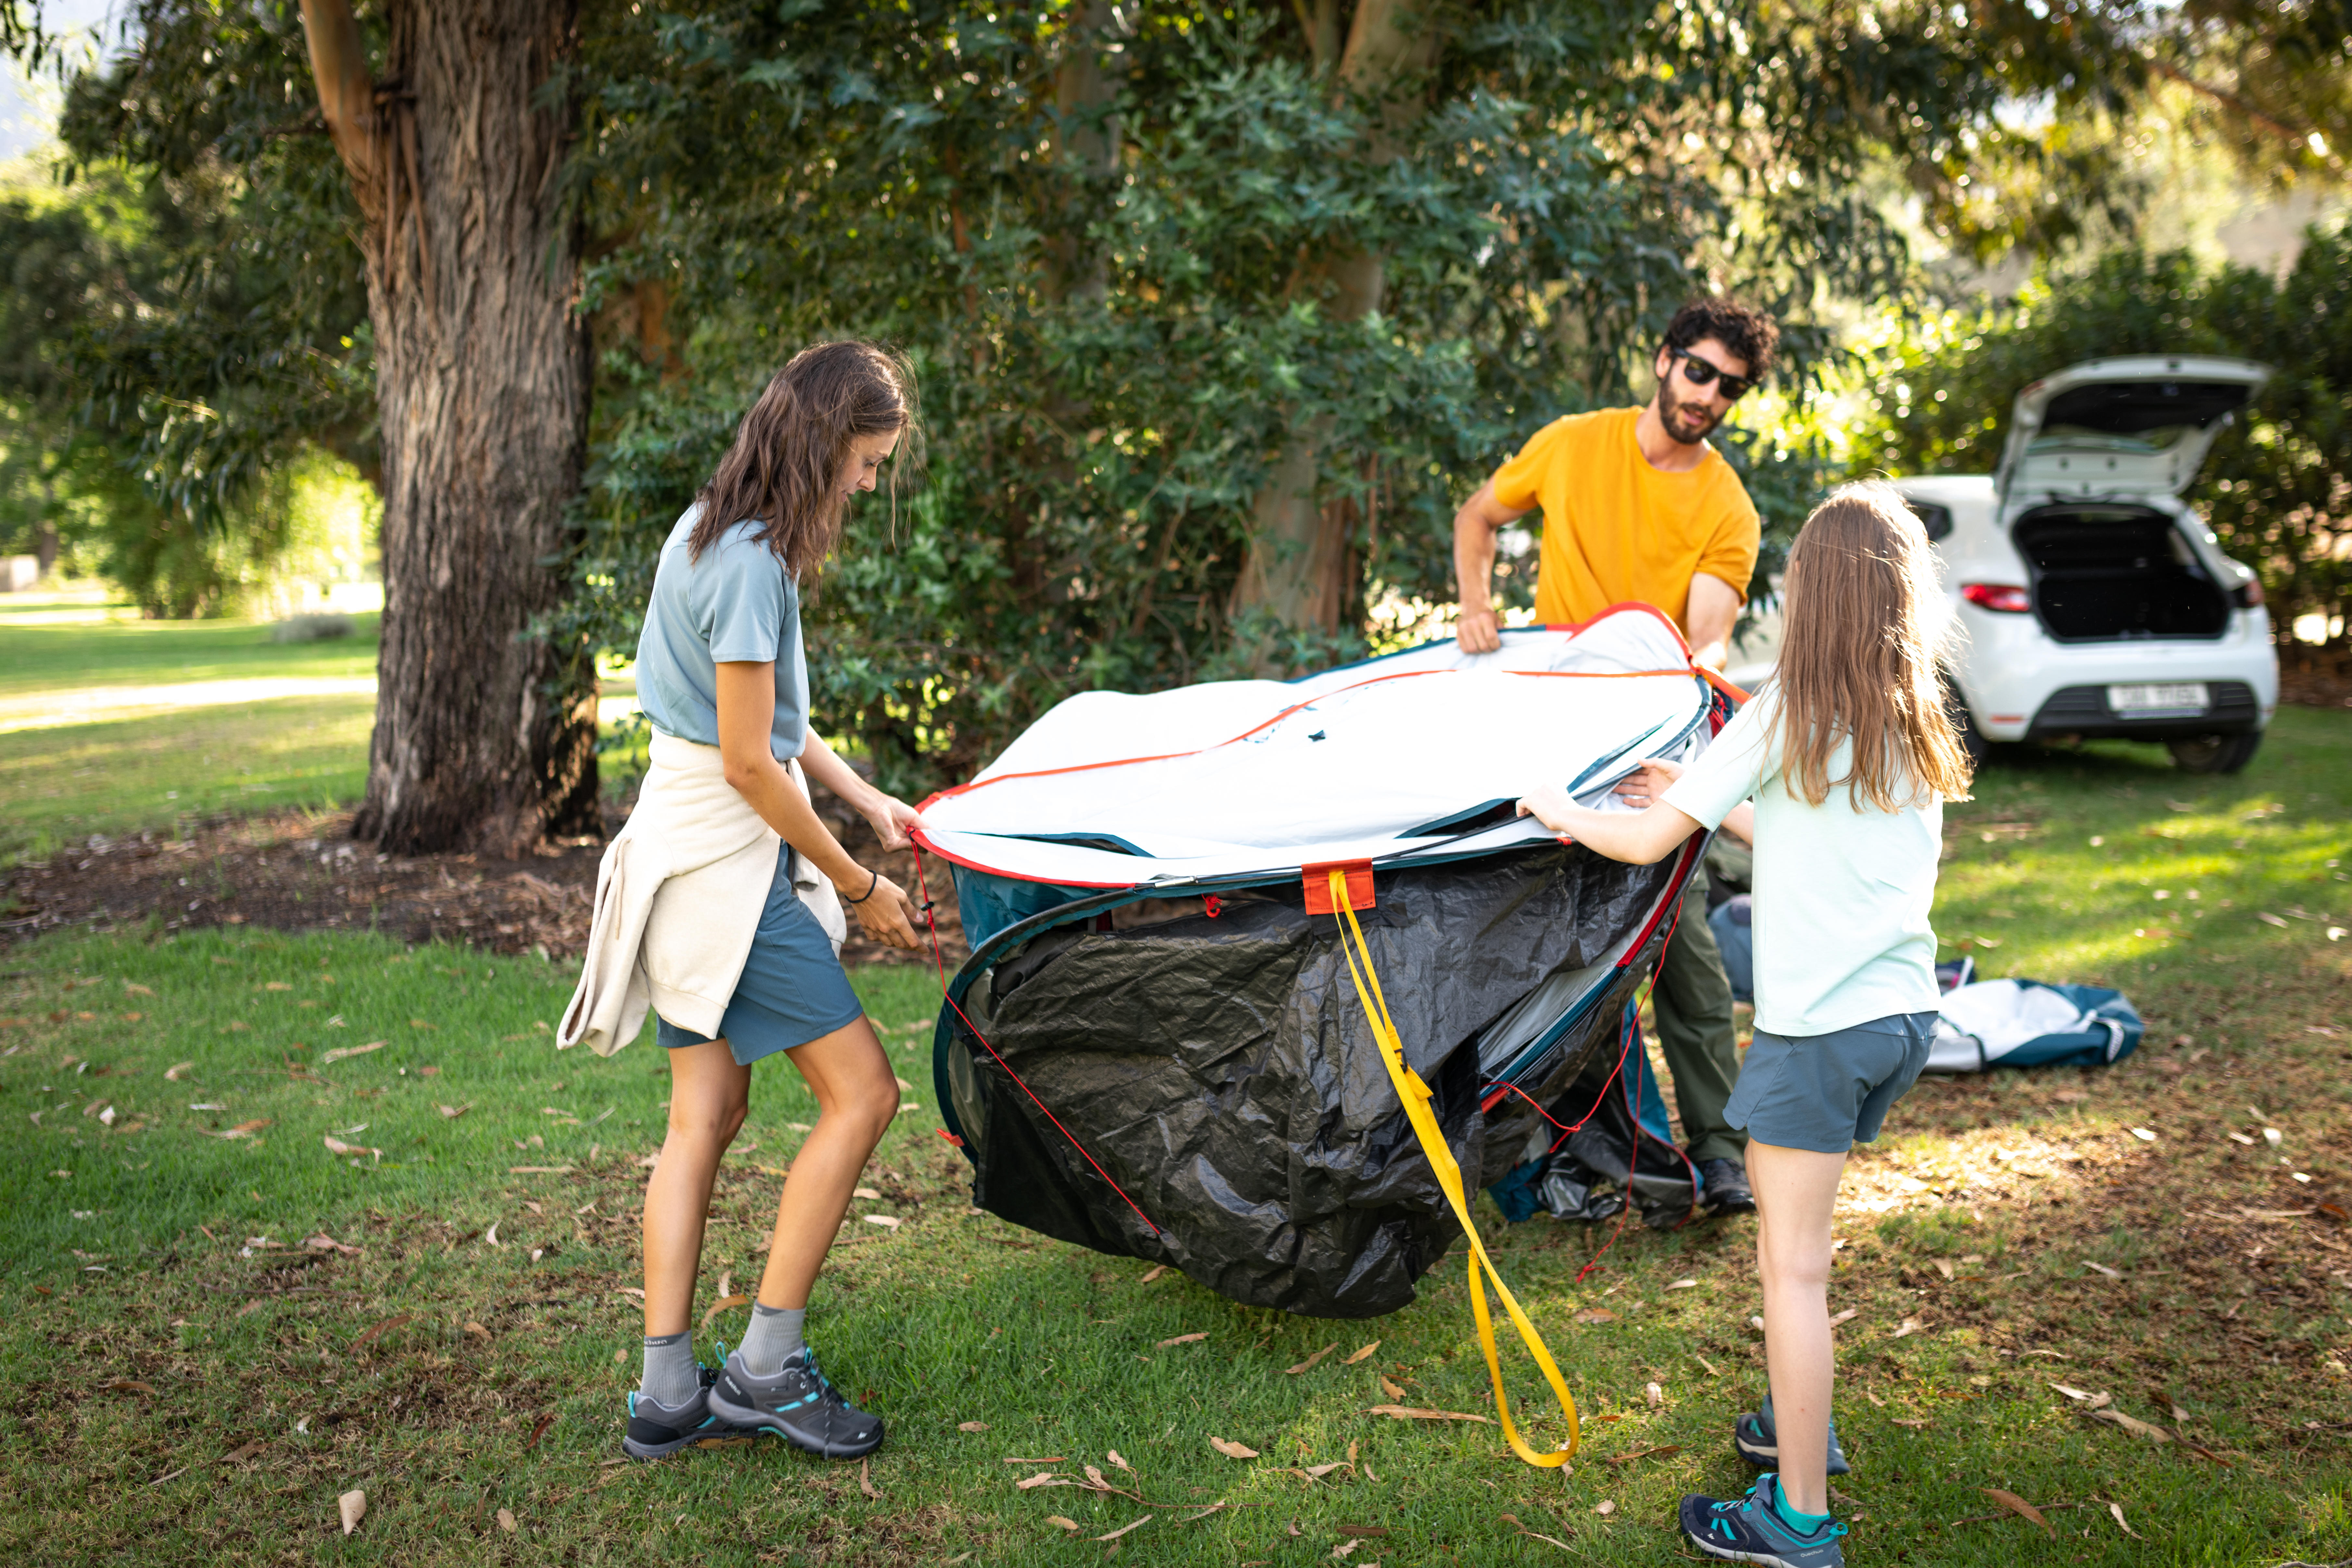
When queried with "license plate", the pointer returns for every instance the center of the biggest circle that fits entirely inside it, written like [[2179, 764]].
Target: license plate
[[2173, 700]]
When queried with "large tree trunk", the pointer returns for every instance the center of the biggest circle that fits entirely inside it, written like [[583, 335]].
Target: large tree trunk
[[1301, 567], [485, 736]]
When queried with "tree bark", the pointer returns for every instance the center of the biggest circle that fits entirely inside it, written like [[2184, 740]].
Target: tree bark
[[485, 735], [1301, 566]]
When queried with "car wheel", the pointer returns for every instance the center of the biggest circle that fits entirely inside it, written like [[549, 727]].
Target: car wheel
[[2215, 754]]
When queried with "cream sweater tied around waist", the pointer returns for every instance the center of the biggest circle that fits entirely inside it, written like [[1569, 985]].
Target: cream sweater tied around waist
[[678, 898]]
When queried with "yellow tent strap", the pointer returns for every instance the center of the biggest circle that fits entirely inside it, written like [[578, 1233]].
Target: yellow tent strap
[[1415, 1094]]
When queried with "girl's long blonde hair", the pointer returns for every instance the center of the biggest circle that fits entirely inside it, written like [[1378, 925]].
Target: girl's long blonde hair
[[1861, 633]]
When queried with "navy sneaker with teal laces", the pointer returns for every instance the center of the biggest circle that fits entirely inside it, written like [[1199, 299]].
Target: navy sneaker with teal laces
[[657, 1430], [1752, 1530], [1754, 1436], [799, 1404]]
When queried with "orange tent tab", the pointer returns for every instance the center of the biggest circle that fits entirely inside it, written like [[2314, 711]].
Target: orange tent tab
[[1319, 886]]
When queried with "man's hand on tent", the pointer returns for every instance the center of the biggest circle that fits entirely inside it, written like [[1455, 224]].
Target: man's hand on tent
[[1637, 837]]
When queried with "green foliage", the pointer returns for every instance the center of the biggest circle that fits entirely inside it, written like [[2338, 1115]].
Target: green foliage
[[2273, 487], [1124, 308]]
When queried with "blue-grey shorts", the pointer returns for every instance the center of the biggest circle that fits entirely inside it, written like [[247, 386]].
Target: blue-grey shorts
[[1827, 1092], [793, 989]]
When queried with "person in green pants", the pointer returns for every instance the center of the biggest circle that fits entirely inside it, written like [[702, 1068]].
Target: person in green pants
[[1638, 508]]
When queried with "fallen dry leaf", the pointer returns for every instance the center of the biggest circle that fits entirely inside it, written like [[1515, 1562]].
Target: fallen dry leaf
[[1605, 1508], [1596, 1315], [1042, 1478], [864, 1193], [1360, 1354], [455, 1111], [352, 1506], [1404, 1412], [337, 1146], [887, 1221], [129, 1385], [240, 1454], [343, 1052], [971, 1426], [1182, 1340], [1848, 1316], [1344, 1548], [1910, 1326], [1654, 1394], [725, 1304], [1056, 1459], [1056, 1518], [2117, 1509], [538, 1429], [242, 1130], [1123, 1529], [1155, 1271], [2020, 1507], [1122, 1464], [866, 1479], [322, 1242], [172, 1074], [2110, 1273], [474, 1327], [507, 1520], [1308, 1364], [1390, 1389], [1233, 1450], [1682, 1285], [369, 1335], [2130, 1424], [1915, 1425]]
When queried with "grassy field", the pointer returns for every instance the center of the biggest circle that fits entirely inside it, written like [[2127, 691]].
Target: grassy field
[[190, 1376], [154, 768]]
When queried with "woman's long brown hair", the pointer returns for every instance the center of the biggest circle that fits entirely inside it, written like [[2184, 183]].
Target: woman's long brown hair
[[783, 471], [1861, 633]]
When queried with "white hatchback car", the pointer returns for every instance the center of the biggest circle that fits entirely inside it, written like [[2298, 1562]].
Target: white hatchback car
[[2095, 603]]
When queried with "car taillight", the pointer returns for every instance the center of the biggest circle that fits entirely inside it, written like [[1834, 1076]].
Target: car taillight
[[2006, 597], [2250, 594]]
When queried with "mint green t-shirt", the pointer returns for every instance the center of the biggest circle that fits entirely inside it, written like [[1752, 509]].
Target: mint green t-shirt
[[735, 605], [1841, 891]]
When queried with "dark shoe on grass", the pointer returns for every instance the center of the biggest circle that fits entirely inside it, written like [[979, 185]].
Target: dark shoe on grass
[[1751, 1529], [1724, 1187], [1759, 1443], [799, 1404], [657, 1430]]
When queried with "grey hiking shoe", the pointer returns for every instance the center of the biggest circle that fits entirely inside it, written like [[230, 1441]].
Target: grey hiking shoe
[[1759, 1443], [1724, 1187], [799, 1404], [657, 1430]]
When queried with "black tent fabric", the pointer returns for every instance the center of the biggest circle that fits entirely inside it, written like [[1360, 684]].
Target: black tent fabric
[[1192, 1080]]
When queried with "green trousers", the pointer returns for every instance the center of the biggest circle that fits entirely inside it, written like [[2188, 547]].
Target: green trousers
[[1693, 1002]]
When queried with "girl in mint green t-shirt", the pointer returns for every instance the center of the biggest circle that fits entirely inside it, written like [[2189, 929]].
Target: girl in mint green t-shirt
[[1838, 774]]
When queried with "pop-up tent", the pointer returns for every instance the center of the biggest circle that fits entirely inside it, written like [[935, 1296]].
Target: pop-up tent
[[1156, 1049]]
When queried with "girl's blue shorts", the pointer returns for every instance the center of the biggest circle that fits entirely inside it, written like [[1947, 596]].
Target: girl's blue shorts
[[793, 989], [1826, 1092]]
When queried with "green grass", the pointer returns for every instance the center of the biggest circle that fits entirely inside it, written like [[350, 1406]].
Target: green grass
[[110, 1276], [162, 773], [155, 653]]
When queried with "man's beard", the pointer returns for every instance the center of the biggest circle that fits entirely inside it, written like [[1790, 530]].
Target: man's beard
[[1687, 423]]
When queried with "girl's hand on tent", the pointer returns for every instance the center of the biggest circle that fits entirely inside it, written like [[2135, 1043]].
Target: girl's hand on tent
[[1549, 805], [891, 819], [1642, 788], [885, 915]]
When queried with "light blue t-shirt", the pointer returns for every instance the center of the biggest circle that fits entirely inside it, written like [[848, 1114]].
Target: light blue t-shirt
[[734, 606], [1842, 892]]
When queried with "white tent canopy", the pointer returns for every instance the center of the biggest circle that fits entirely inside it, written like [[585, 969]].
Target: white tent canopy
[[1384, 760]]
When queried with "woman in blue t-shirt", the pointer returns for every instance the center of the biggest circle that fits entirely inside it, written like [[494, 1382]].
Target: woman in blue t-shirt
[[719, 664]]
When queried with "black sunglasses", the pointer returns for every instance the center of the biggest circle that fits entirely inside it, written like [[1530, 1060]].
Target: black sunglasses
[[1699, 372]]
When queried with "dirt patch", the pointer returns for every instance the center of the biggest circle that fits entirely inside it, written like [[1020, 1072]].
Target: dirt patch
[[2316, 677], [302, 872]]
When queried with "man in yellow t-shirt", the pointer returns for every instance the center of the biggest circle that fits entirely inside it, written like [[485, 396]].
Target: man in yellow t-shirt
[[1638, 507]]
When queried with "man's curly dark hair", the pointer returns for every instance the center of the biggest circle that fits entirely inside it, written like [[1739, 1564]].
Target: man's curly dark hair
[[1745, 330]]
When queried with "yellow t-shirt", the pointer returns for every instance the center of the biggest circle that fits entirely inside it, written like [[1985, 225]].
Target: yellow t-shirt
[[1616, 529]]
